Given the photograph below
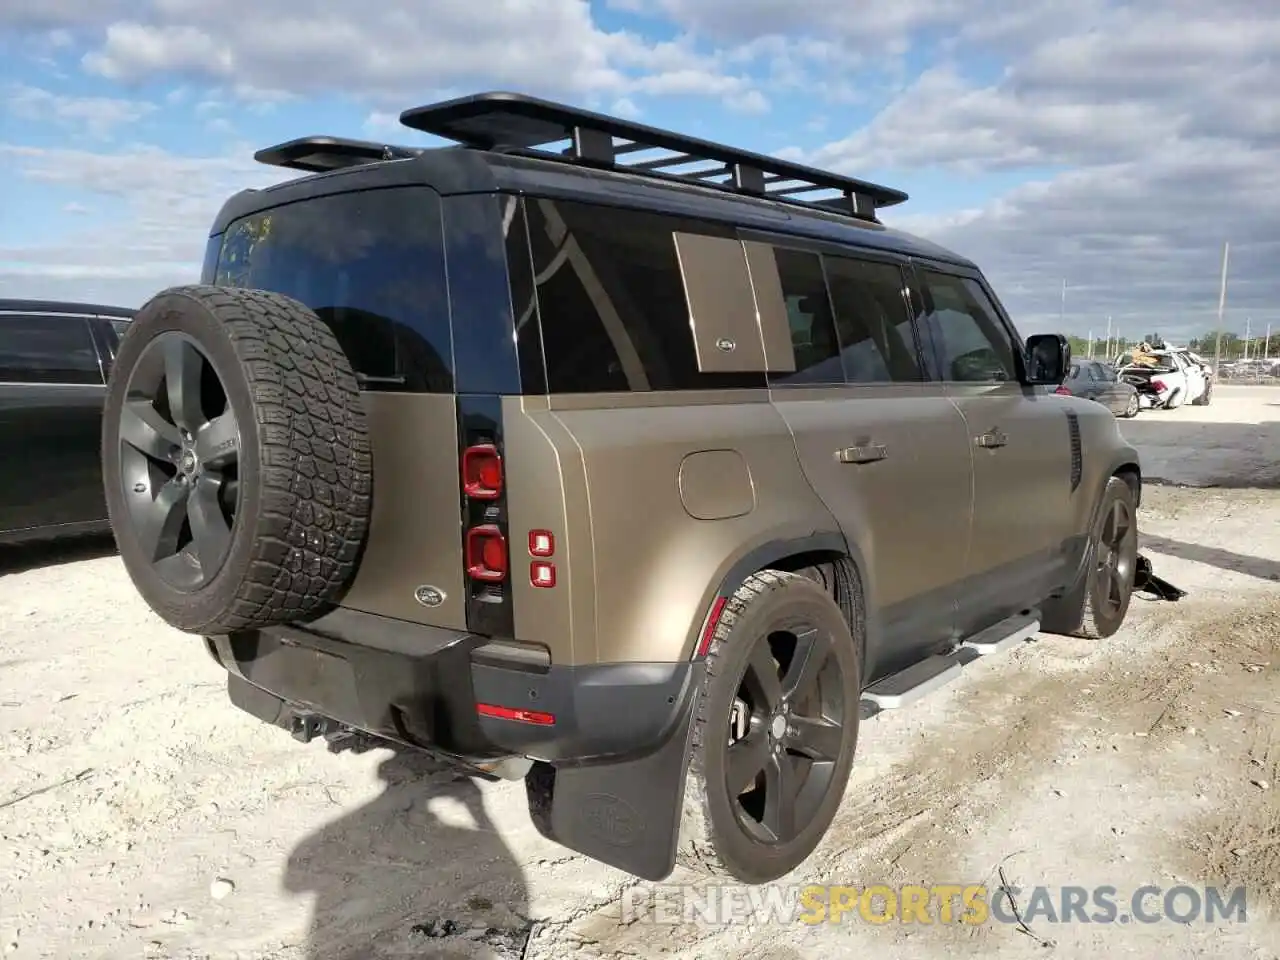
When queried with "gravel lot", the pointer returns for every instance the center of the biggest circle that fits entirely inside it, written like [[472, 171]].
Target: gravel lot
[[142, 816]]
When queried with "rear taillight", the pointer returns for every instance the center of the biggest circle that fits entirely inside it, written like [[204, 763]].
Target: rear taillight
[[1063, 391], [1159, 386], [487, 559], [482, 472]]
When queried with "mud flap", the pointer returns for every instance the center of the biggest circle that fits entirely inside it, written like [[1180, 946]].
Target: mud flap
[[623, 813], [1145, 581]]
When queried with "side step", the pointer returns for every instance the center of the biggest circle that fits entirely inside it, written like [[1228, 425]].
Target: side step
[[901, 689]]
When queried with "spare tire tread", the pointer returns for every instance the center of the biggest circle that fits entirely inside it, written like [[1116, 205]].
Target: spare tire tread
[[316, 459]]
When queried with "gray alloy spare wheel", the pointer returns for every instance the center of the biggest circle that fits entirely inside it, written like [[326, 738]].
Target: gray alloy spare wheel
[[235, 459]]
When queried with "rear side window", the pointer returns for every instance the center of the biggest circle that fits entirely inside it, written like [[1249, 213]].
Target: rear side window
[[611, 300], [872, 322], [809, 316], [42, 348], [371, 265], [971, 344]]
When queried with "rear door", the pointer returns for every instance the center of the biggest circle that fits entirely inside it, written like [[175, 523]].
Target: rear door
[[885, 450], [1020, 440], [51, 395]]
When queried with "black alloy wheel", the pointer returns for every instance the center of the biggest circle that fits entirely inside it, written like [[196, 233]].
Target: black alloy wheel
[[1116, 558], [787, 735], [179, 460]]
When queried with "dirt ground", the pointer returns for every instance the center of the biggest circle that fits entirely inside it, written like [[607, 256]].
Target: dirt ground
[[142, 816]]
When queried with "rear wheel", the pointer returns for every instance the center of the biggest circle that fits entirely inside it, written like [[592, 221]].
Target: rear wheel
[[1204, 398], [1098, 604], [236, 467], [1131, 409], [776, 731]]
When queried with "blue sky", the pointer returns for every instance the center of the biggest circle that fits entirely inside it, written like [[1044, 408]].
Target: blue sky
[[1114, 145]]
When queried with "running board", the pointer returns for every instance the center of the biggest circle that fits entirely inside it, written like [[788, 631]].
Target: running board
[[901, 689]]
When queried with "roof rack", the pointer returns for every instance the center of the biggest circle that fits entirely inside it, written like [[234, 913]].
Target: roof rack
[[321, 154], [516, 123]]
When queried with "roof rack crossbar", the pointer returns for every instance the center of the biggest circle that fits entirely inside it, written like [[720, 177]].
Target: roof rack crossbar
[[320, 153], [527, 125]]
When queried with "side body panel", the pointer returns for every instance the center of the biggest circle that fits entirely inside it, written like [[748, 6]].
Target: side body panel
[[51, 395], [649, 535]]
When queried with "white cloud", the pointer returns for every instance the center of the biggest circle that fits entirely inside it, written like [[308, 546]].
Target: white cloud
[[162, 205], [96, 116], [395, 51]]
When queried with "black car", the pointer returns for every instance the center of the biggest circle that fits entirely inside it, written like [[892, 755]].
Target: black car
[[1094, 380], [54, 362]]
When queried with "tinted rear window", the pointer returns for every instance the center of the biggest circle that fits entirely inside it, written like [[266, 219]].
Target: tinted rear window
[[371, 265]]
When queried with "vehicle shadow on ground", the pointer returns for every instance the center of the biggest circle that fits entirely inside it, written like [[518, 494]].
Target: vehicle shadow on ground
[[392, 879], [24, 557], [1206, 454], [1259, 567]]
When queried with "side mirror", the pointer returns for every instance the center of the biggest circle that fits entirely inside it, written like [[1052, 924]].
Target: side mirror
[[1048, 359]]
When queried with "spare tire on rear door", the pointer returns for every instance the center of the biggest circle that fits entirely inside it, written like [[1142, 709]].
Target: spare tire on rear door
[[236, 462]]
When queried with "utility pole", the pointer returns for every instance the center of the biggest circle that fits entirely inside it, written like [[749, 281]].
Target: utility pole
[[1266, 345], [1222, 306], [1090, 344], [1248, 328], [1062, 311], [1108, 348]]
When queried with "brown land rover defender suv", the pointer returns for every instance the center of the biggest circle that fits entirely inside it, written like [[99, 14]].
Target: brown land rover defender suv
[[630, 464]]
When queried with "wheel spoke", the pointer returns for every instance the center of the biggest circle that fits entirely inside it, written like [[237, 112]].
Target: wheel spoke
[[218, 442], [806, 665], [762, 678], [780, 786], [817, 738], [210, 533], [1117, 523], [160, 522], [142, 427], [183, 366], [745, 759]]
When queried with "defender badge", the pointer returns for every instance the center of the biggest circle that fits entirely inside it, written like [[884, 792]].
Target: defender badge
[[429, 596]]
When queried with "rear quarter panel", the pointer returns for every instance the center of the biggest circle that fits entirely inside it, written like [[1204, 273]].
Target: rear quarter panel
[[656, 497]]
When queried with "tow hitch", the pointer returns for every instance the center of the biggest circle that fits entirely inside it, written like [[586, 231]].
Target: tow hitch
[[1145, 581], [305, 727]]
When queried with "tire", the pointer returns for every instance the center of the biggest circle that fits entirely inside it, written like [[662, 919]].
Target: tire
[[1204, 398], [1089, 610], [290, 478], [1131, 410], [1174, 401], [714, 838]]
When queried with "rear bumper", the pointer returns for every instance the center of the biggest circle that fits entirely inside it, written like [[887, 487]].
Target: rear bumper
[[425, 687]]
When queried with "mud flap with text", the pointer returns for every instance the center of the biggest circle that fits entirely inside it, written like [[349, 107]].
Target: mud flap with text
[[1145, 581], [625, 813]]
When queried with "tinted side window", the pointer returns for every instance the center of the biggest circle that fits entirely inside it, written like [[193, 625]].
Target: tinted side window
[[872, 323], [971, 343], [371, 265], [813, 328], [47, 349], [611, 300]]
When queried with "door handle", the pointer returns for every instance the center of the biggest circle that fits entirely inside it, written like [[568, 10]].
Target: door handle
[[865, 453], [991, 440]]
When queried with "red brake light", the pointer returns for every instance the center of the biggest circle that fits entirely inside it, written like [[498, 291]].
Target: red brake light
[[1063, 391], [516, 714], [542, 573], [542, 543], [486, 554], [482, 472], [1159, 386]]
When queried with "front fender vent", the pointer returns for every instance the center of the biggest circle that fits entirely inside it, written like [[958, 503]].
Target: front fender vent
[[1077, 456]]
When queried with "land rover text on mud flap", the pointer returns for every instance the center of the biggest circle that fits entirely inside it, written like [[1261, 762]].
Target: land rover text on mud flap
[[542, 450]]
